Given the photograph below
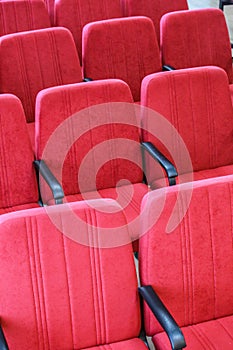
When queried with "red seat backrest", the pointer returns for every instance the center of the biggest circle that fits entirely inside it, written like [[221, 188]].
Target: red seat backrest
[[33, 61], [153, 9], [21, 15], [189, 267], [60, 293], [197, 103], [18, 183], [196, 38], [102, 116], [125, 48], [74, 14]]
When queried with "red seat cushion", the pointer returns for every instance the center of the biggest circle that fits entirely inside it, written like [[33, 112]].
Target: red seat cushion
[[18, 207], [216, 334], [132, 344]]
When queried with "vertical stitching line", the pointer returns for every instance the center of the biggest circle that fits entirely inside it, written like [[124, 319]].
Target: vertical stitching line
[[212, 250], [4, 194], [67, 281]]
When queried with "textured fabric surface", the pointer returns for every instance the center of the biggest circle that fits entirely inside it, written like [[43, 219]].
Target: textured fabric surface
[[197, 103], [50, 8], [59, 294], [18, 183], [191, 266], [215, 334], [132, 344], [74, 14], [153, 9], [127, 49], [196, 38], [22, 15], [32, 61], [80, 136]]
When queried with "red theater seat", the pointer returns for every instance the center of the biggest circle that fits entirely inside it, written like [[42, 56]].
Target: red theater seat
[[74, 14], [33, 61], [190, 267], [153, 9], [197, 103], [22, 15], [18, 185], [196, 38], [125, 48], [58, 293], [103, 116]]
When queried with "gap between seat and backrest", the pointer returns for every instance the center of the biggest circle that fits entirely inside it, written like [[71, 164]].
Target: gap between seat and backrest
[[127, 49], [58, 292], [33, 61], [153, 9], [18, 184], [190, 265], [196, 38], [22, 15], [74, 14], [197, 103]]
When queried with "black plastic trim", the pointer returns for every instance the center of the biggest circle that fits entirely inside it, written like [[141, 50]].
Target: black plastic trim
[[3, 343], [51, 180], [87, 80], [164, 317], [163, 161], [168, 68]]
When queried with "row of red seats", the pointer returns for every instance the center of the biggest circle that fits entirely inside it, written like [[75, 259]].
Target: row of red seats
[[57, 293], [127, 49], [75, 119], [21, 15]]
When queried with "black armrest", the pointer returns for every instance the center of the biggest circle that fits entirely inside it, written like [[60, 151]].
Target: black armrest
[[86, 80], [166, 67], [163, 161], [3, 343], [51, 180], [164, 317]]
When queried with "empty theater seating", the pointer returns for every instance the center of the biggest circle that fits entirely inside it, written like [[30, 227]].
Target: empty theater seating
[[33, 61], [74, 14], [190, 266], [196, 38], [18, 184], [22, 15], [197, 103], [68, 295], [153, 9], [125, 48]]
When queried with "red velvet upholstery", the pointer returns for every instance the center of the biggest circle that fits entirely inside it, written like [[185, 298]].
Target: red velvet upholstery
[[117, 161], [127, 49], [50, 8], [74, 14], [153, 9], [191, 267], [32, 61], [60, 294], [21, 15], [18, 185], [197, 103], [196, 38]]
